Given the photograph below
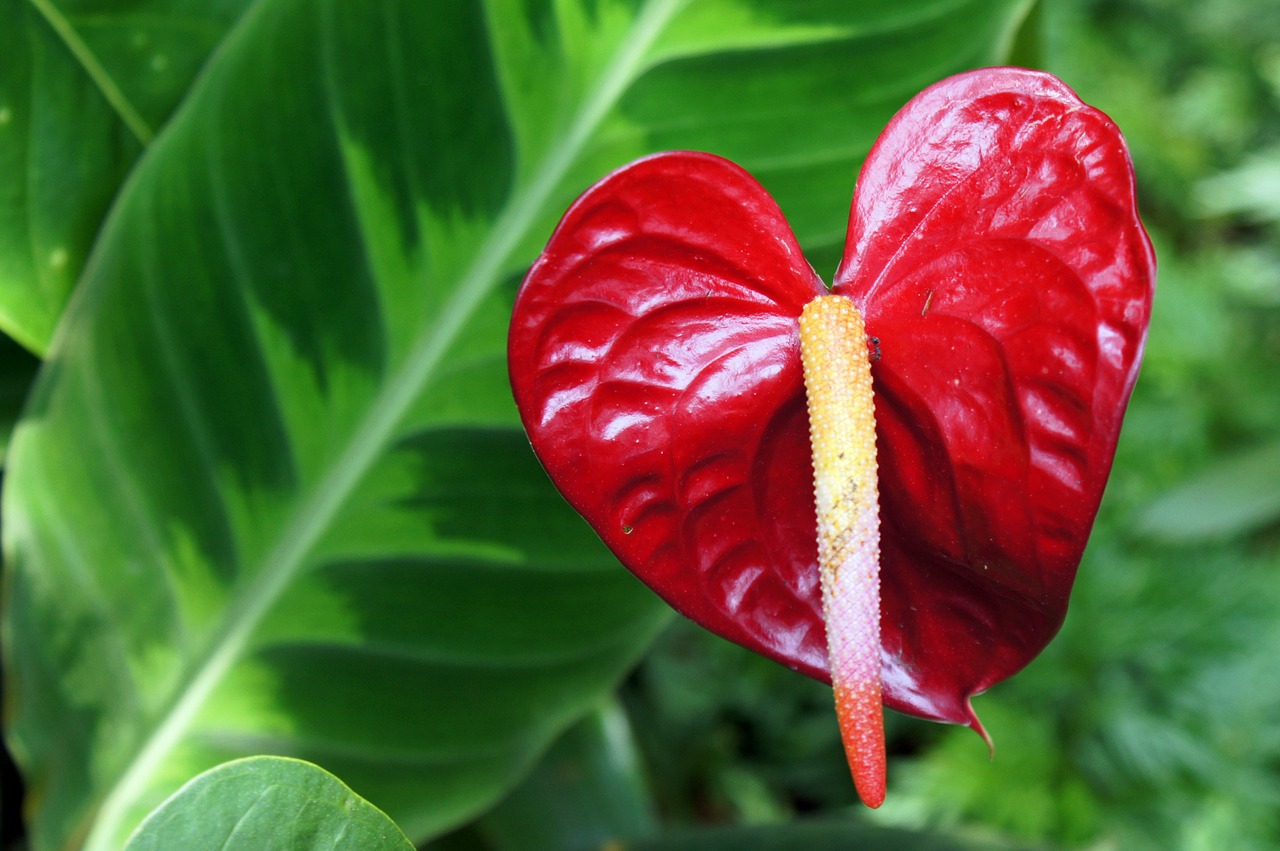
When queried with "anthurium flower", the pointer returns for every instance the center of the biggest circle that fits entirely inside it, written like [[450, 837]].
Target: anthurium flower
[[996, 288]]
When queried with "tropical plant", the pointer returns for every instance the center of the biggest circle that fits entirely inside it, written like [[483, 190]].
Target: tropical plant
[[268, 494]]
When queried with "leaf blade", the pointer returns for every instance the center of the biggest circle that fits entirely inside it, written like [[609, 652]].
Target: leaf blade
[[82, 92], [267, 803]]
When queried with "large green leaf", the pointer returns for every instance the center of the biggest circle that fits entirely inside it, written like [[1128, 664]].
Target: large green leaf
[[84, 85], [587, 791], [1235, 495], [270, 495], [266, 803]]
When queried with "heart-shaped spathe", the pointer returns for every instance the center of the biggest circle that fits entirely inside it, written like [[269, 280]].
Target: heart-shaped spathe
[[995, 250]]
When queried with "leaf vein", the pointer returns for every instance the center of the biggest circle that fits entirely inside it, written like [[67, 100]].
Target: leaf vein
[[113, 94]]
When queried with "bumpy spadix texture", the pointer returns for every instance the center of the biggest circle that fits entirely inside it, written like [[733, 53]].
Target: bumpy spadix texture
[[842, 429], [994, 249]]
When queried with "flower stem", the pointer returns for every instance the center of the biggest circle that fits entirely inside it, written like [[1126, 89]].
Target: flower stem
[[837, 377]]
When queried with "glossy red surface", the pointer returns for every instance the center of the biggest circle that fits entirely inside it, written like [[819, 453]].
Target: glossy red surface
[[995, 250]]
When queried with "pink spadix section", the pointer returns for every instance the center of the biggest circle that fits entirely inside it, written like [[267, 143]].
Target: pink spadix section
[[842, 427]]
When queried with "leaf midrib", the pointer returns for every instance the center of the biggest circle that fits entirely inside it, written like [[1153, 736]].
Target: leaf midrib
[[376, 429]]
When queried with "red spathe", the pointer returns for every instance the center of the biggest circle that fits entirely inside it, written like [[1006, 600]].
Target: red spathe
[[995, 250]]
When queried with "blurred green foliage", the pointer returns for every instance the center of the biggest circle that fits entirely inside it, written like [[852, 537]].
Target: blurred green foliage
[[1152, 720]]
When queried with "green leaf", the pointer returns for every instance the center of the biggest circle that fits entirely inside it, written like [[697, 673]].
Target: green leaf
[[84, 86], [56, 189], [1249, 190], [586, 791], [1026, 40], [1234, 496], [264, 803], [271, 494]]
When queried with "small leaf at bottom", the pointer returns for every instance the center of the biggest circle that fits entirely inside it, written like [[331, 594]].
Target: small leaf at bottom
[[264, 803]]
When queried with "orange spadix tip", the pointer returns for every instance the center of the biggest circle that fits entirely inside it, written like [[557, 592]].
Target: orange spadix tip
[[842, 431], [860, 712]]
